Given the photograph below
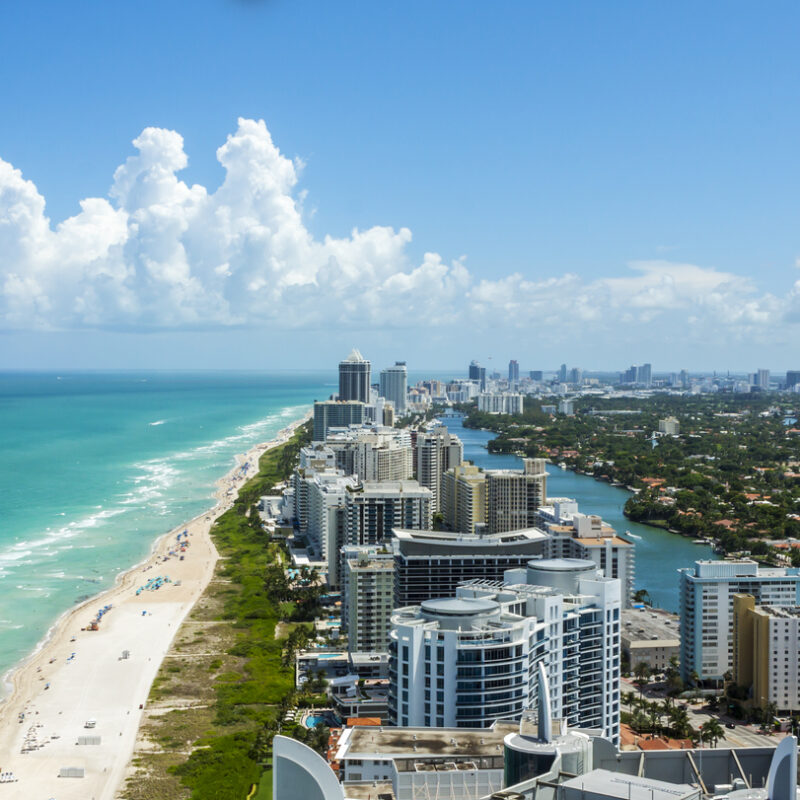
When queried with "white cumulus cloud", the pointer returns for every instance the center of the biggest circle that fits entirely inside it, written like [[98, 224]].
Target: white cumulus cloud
[[160, 254]]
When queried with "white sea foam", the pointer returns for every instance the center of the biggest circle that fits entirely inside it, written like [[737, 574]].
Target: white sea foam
[[52, 543], [157, 422]]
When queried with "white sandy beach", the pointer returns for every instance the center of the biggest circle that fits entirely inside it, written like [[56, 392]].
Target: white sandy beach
[[58, 692]]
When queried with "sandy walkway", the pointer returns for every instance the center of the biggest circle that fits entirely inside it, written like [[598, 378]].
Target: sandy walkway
[[80, 675]]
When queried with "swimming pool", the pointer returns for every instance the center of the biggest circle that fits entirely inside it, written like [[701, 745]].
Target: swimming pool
[[323, 656], [312, 722]]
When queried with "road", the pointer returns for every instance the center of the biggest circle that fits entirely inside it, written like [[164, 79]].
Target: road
[[740, 736]]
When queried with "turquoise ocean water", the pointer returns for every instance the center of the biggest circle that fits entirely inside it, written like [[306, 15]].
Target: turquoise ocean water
[[96, 466]]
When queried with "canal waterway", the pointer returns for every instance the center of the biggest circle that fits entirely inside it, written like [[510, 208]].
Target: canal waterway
[[659, 554]]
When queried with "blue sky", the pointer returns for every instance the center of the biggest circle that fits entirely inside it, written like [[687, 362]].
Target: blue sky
[[618, 178]]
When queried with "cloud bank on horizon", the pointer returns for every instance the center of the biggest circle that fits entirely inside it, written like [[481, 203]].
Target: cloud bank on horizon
[[160, 254]]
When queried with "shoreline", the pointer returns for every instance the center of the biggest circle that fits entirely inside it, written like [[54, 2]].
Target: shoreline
[[89, 672]]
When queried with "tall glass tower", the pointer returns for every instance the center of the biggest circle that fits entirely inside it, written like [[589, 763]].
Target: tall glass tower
[[354, 378], [394, 385]]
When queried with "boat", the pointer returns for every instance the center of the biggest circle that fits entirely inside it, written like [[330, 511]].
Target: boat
[[562, 465], [632, 535]]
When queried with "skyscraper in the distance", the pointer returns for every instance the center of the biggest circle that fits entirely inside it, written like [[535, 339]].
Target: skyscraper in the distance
[[478, 373], [394, 385], [513, 371], [562, 373], [763, 380], [354, 374]]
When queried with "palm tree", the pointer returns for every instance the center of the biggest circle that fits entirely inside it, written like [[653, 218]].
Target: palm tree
[[679, 722], [642, 673], [768, 714], [629, 698], [712, 731], [642, 596], [654, 712]]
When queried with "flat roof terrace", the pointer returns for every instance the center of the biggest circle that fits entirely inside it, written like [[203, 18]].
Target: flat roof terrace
[[425, 742]]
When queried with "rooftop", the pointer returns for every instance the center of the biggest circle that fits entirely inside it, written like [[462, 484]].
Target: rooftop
[[420, 742], [383, 488], [647, 625], [455, 606], [593, 541], [787, 612], [372, 564], [368, 790], [615, 784], [355, 356]]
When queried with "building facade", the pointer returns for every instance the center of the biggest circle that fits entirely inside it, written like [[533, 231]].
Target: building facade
[[354, 378], [706, 596], [336, 414], [436, 451], [766, 652], [325, 528], [501, 402], [669, 426], [432, 564], [464, 498], [470, 660], [513, 496], [376, 453], [575, 535], [394, 385], [367, 598], [373, 510]]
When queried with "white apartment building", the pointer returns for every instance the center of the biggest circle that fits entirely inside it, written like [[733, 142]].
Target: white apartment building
[[315, 459], [327, 493], [469, 660], [374, 509], [464, 498], [706, 597], [394, 385], [501, 402], [367, 598], [576, 535], [513, 496], [566, 407], [437, 450], [374, 453], [669, 426]]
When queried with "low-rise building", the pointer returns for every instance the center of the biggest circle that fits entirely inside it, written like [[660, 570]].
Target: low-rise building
[[651, 637]]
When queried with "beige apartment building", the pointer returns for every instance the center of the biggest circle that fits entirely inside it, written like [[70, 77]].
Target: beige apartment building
[[464, 498]]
